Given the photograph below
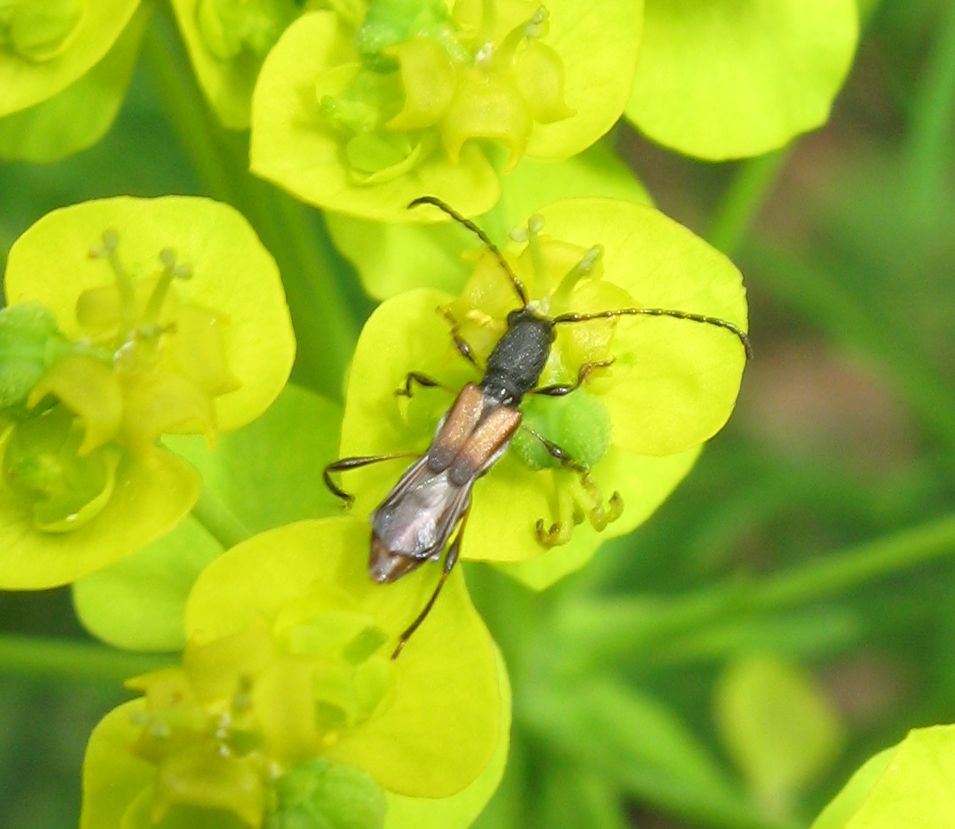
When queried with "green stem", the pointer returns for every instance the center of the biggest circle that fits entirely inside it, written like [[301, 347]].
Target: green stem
[[187, 111], [822, 298], [35, 656], [326, 324], [611, 628], [872, 560], [219, 521], [929, 140], [743, 198]]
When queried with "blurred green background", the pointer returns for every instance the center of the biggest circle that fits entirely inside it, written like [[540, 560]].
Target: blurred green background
[[811, 546]]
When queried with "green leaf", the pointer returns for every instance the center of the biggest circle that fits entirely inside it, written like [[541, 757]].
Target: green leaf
[[24, 83], [78, 116], [909, 784], [778, 725], [735, 79], [631, 737]]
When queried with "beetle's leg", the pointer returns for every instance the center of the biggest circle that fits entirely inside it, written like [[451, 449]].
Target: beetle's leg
[[560, 389], [422, 380], [344, 464], [450, 559], [461, 344], [599, 515], [662, 312]]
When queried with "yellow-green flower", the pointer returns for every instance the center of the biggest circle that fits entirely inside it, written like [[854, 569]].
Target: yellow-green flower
[[908, 784], [638, 423], [64, 68], [735, 78], [228, 40], [169, 318], [287, 709], [423, 98]]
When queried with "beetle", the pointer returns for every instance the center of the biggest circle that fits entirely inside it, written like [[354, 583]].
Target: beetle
[[432, 497]]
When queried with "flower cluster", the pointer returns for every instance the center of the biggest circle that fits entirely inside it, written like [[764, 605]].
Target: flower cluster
[[287, 711], [124, 324], [131, 323], [418, 97]]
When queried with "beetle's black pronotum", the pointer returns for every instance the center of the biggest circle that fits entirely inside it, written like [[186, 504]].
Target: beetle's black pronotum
[[413, 523]]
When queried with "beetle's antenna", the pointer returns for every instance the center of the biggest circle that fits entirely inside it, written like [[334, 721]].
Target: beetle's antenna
[[663, 312], [434, 200]]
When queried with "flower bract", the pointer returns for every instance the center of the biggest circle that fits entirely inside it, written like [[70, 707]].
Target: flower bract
[[733, 79]]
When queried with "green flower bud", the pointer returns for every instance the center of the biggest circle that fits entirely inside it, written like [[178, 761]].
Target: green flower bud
[[30, 342], [318, 794]]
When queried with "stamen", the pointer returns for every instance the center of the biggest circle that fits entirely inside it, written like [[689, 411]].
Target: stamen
[[170, 271], [599, 515], [533, 27], [531, 235], [124, 282], [584, 268], [537, 25]]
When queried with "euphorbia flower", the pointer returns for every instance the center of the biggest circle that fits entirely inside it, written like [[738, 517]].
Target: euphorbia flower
[[228, 40], [726, 79], [637, 423], [169, 317], [287, 710], [64, 67], [421, 99]]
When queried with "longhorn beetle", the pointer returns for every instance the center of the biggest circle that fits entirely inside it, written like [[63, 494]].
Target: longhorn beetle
[[413, 523]]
